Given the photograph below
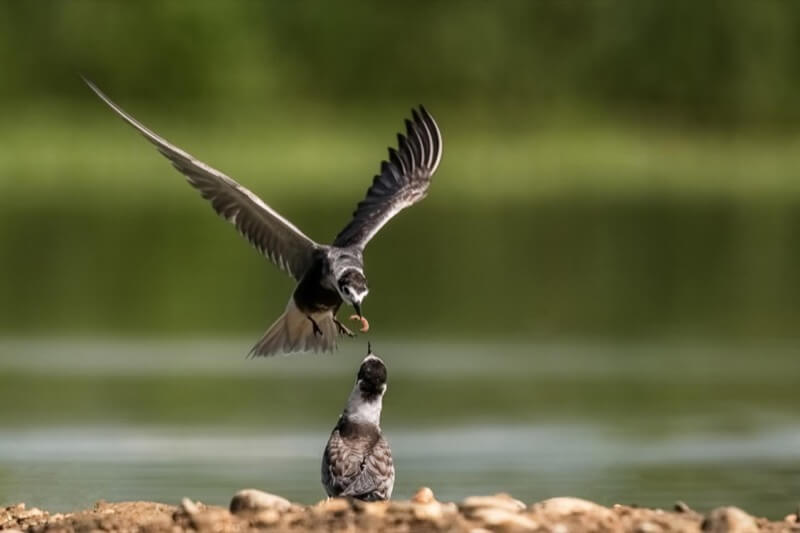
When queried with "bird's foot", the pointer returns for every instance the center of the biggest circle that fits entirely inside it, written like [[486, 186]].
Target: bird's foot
[[343, 330], [364, 323], [317, 330]]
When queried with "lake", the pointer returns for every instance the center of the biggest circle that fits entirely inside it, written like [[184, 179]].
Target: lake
[[642, 423]]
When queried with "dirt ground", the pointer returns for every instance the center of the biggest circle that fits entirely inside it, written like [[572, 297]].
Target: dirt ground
[[252, 510]]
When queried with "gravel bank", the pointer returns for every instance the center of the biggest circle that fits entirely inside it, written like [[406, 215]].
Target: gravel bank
[[252, 510]]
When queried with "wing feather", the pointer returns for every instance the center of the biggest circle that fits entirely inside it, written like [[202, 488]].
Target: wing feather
[[274, 236], [359, 467], [375, 480], [403, 181]]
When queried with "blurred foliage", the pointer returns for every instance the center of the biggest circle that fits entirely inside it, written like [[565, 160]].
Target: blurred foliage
[[712, 63], [618, 169]]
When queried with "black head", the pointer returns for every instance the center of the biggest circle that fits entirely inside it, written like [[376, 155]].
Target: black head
[[372, 377], [352, 286]]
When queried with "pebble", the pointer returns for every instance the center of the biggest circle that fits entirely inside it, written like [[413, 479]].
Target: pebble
[[428, 512], [333, 505], [257, 500], [648, 527], [375, 509], [681, 507], [423, 495], [30, 513], [504, 520], [498, 501], [729, 520], [266, 518], [189, 507], [565, 506]]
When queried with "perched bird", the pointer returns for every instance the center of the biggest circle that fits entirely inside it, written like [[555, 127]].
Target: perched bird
[[357, 461], [327, 275]]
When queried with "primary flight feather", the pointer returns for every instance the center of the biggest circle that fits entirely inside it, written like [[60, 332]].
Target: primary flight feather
[[327, 275]]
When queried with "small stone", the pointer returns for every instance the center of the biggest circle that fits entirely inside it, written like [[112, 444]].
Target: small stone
[[681, 507], [189, 507], [401, 506], [648, 527], [30, 513], [334, 505], [566, 506], [504, 520], [729, 520], [593, 516], [257, 500], [791, 518], [212, 519], [498, 501], [428, 512], [423, 495], [375, 509], [266, 518]]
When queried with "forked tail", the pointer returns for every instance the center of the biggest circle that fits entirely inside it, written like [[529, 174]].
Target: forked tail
[[295, 332]]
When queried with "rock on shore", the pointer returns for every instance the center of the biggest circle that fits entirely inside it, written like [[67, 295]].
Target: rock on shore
[[252, 510]]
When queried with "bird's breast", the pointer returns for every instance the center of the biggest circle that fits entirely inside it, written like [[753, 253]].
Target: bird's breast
[[312, 295]]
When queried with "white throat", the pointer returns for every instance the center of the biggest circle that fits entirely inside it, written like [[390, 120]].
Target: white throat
[[364, 412]]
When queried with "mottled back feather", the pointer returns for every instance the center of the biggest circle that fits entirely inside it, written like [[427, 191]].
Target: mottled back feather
[[357, 462]]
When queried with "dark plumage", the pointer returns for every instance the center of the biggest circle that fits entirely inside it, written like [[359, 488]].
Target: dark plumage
[[327, 275], [357, 461]]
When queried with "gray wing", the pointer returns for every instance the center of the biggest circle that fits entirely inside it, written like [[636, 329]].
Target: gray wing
[[340, 464], [274, 236], [375, 480], [403, 181], [362, 468]]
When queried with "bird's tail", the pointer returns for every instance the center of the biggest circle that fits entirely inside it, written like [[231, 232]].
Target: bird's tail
[[295, 332]]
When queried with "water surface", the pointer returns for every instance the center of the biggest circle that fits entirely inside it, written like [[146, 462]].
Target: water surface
[[643, 423]]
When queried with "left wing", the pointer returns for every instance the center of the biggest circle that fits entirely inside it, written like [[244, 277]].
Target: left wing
[[403, 181], [375, 481]]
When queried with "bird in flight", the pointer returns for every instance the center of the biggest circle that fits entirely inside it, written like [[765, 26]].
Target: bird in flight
[[357, 461], [326, 275]]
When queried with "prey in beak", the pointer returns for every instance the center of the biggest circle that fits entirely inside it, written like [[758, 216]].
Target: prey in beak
[[359, 317]]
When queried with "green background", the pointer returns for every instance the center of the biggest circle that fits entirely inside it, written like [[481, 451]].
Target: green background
[[609, 243], [610, 168]]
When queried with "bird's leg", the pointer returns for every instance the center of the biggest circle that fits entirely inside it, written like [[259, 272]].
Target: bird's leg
[[343, 330], [314, 324]]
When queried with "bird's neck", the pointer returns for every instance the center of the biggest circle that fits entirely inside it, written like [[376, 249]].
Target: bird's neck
[[362, 410]]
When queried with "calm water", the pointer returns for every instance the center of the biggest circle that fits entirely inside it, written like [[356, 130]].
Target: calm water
[[644, 424]]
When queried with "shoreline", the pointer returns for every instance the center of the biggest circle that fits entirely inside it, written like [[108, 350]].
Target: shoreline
[[252, 510]]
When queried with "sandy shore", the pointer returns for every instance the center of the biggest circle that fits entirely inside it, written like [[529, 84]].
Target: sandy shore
[[252, 510]]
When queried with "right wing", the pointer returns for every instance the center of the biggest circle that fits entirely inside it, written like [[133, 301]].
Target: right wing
[[274, 236], [403, 181], [376, 478]]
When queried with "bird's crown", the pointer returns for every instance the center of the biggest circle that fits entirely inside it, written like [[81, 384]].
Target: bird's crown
[[372, 373]]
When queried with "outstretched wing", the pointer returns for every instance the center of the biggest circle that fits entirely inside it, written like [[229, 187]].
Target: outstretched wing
[[403, 181], [274, 236]]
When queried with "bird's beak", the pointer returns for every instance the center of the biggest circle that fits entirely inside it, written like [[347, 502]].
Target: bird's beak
[[357, 307]]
